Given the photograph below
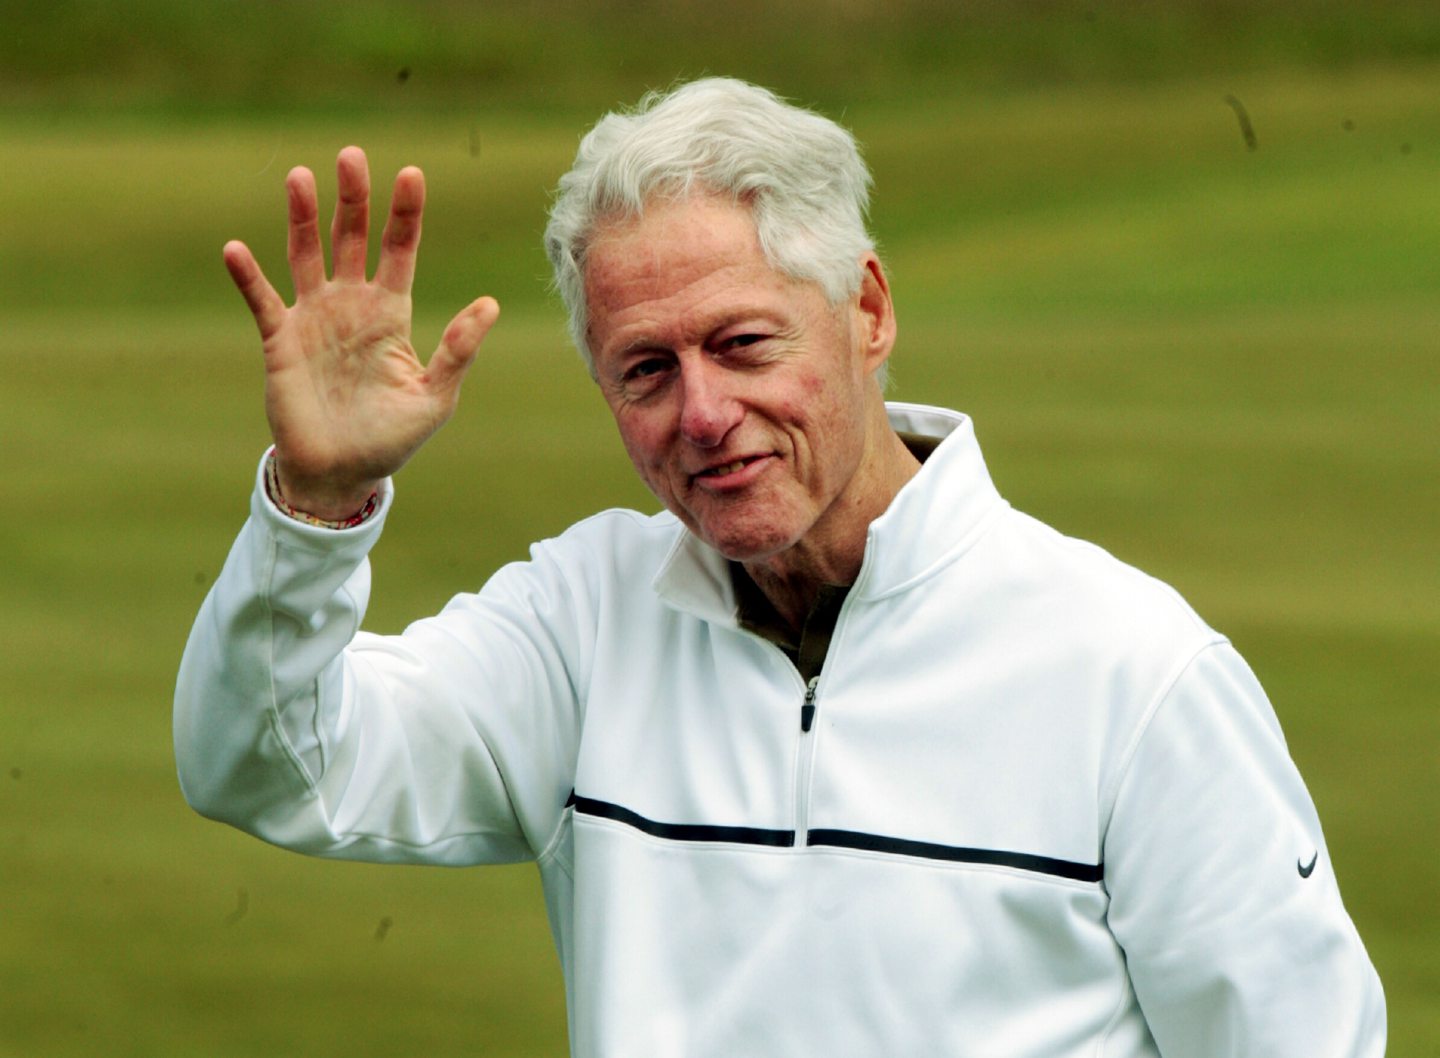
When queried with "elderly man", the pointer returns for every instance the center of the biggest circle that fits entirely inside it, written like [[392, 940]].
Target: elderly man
[[840, 754]]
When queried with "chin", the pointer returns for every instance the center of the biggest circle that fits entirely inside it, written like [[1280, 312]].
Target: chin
[[747, 546]]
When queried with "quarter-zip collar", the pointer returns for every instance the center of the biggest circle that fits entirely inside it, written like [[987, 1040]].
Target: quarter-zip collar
[[931, 522], [939, 513]]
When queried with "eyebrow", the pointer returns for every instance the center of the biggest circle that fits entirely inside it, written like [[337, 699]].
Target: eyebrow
[[647, 342]]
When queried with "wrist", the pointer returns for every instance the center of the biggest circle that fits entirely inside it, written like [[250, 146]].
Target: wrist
[[342, 510]]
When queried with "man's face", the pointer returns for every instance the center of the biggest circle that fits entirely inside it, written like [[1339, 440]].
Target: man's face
[[742, 395]]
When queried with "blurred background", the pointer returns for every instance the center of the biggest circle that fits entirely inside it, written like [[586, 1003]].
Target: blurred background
[[1181, 264]]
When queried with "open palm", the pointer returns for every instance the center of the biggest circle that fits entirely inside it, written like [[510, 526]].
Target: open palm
[[348, 399]]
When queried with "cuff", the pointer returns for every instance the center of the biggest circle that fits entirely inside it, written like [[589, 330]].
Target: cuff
[[267, 489], [271, 479]]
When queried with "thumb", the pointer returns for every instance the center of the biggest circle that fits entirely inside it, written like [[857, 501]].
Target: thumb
[[460, 342]]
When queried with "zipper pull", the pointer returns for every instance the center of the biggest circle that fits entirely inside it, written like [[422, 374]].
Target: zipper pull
[[807, 710]]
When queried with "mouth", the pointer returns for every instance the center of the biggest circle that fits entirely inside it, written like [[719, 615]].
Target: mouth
[[737, 472], [727, 468]]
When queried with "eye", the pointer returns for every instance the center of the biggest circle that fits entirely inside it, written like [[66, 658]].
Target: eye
[[645, 369], [740, 341], [645, 375], [745, 347]]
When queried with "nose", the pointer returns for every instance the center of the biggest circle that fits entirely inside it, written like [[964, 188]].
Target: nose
[[709, 409]]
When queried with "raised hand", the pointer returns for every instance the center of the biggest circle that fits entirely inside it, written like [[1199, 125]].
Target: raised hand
[[347, 398]]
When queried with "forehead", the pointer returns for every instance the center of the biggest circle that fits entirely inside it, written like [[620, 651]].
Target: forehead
[[678, 263], [687, 234]]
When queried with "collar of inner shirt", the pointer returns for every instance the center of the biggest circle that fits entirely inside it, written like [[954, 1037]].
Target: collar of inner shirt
[[806, 646]]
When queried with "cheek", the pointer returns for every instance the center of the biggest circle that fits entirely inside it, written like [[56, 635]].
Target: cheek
[[803, 401], [644, 446], [832, 413], [821, 405], [812, 386]]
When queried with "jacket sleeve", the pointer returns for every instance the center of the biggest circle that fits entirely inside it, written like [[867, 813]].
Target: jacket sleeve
[[1222, 891], [450, 744]]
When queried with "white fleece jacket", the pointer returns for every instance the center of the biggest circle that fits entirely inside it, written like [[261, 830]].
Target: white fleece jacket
[[1037, 807]]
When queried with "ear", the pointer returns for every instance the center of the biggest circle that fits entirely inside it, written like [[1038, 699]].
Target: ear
[[874, 315]]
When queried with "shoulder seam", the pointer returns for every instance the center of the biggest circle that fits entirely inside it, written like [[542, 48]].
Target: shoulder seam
[[1111, 792]]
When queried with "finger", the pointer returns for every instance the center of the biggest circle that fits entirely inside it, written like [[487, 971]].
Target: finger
[[459, 344], [266, 305], [396, 271], [307, 260], [349, 234]]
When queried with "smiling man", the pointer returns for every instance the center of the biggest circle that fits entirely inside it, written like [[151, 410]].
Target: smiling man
[[838, 754], [745, 398]]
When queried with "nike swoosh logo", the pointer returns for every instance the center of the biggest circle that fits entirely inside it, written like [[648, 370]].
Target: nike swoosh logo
[[1307, 869]]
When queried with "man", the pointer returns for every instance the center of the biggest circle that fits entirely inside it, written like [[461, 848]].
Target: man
[[840, 755]]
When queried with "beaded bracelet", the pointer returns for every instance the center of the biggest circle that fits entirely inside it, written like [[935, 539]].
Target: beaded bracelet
[[272, 489]]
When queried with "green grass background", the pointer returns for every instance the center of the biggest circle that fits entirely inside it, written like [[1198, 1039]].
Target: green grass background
[[1221, 364]]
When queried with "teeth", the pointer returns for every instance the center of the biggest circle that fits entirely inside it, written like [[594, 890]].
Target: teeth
[[729, 468]]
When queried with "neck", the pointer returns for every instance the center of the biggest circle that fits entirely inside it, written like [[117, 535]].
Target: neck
[[792, 579]]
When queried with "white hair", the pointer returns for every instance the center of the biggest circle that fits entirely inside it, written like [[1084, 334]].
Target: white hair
[[800, 174]]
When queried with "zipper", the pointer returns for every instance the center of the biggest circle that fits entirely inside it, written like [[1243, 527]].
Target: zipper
[[805, 763], [807, 710]]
